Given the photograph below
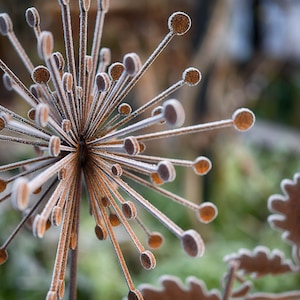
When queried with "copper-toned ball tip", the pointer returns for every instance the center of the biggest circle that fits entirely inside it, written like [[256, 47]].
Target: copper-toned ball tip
[[155, 240], [207, 212], [54, 146], [116, 170], [191, 76], [243, 119], [174, 113], [56, 215], [192, 243], [148, 260], [3, 185], [102, 82], [166, 171], [101, 233], [32, 17], [39, 226], [131, 145], [6, 26], [20, 193], [201, 165], [124, 109], [179, 23], [132, 63], [115, 71], [40, 74], [3, 256], [129, 210], [41, 115], [114, 220], [45, 45]]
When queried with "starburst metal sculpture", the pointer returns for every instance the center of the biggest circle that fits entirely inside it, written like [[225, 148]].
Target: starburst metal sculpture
[[87, 137]]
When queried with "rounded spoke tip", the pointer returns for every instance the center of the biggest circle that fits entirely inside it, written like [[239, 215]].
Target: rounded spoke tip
[[179, 23], [3, 256], [192, 243], [243, 119]]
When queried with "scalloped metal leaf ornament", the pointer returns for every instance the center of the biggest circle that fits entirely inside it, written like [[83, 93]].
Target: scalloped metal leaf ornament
[[173, 289], [287, 209]]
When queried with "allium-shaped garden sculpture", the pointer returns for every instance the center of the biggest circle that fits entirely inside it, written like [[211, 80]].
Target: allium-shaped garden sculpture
[[87, 137]]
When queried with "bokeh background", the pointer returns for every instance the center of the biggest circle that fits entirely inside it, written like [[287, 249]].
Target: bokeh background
[[249, 54]]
